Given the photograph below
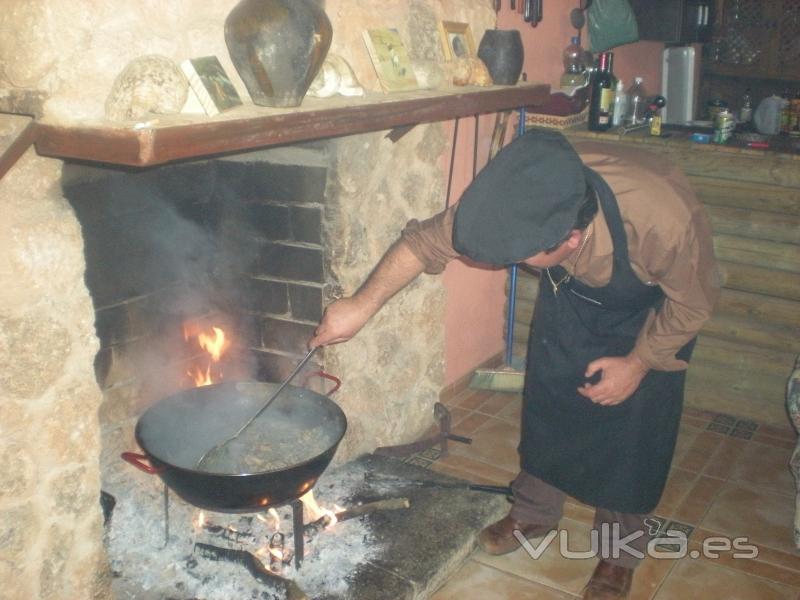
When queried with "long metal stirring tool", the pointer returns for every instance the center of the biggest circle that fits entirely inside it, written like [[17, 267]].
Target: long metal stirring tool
[[215, 449]]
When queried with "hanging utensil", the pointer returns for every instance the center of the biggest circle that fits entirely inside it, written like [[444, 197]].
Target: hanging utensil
[[475, 149], [214, 452], [452, 164], [577, 18], [499, 133]]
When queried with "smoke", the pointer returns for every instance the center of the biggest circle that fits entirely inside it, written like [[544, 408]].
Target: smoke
[[163, 246]]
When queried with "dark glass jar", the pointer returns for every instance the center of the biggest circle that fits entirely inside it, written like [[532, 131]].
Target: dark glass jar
[[502, 52], [278, 46]]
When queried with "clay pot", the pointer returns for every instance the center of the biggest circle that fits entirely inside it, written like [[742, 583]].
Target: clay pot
[[278, 46], [501, 50]]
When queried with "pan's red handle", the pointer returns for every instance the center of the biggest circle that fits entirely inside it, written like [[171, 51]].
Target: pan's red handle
[[325, 375], [136, 460]]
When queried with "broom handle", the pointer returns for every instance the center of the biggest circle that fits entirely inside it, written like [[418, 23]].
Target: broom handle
[[512, 294], [512, 284]]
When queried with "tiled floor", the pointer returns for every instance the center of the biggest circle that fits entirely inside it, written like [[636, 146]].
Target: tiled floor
[[729, 478]]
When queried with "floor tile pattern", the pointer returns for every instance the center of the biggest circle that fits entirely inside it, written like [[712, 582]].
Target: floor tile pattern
[[729, 490]]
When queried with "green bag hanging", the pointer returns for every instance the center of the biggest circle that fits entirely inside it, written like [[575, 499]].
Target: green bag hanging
[[611, 23]]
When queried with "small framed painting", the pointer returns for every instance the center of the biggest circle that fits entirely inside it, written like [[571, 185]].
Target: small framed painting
[[457, 41], [390, 59]]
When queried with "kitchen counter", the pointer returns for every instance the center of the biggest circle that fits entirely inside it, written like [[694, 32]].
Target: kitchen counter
[[679, 135], [779, 164]]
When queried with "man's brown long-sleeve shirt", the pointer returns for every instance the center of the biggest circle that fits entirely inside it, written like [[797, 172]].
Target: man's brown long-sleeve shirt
[[669, 245]]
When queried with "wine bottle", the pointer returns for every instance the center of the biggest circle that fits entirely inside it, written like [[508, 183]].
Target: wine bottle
[[601, 105]]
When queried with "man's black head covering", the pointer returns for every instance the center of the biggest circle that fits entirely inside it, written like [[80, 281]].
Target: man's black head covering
[[524, 201]]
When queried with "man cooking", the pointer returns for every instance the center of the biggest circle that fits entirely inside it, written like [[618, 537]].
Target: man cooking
[[628, 277]]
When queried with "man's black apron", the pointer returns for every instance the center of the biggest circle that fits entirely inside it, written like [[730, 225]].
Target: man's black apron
[[614, 457]]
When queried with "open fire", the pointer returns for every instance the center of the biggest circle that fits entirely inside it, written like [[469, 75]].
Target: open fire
[[273, 549], [214, 555], [214, 342], [207, 370], [201, 547]]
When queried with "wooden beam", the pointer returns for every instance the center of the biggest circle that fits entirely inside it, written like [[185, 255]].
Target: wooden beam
[[760, 308], [749, 278], [746, 195], [177, 137], [775, 256], [17, 148]]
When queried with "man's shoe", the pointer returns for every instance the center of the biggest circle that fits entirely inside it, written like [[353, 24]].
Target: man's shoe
[[608, 582], [498, 538]]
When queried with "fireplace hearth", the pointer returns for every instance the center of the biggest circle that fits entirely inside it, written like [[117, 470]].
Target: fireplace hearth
[[254, 246], [400, 554]]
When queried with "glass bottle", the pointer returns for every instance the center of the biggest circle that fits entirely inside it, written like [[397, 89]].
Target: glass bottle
[[746, 110], [637, 102], [786, 112], [794, 105], [620, 105], [574, 68], [601, 105]]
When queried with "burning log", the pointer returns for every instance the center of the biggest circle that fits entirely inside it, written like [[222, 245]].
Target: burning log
[[229, 533], [311, 529], [255, 566]]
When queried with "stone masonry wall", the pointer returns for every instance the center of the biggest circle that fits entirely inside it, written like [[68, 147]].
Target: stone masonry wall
[[74, 50], [393, 369], [50, 517]]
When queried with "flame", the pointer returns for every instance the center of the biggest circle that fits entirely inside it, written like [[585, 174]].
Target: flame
[[215, 342], [199, 377], [277, 553], [215, 345], [201, 520], [274, 557], [315, 512], [272, 519]]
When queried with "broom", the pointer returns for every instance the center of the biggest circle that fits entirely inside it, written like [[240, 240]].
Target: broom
[[510, 377]]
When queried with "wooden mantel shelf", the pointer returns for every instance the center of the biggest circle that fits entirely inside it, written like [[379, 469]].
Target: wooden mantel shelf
[[175, 137]]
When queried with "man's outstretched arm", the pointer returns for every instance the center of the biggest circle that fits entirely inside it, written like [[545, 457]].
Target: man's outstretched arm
[[344, 318]]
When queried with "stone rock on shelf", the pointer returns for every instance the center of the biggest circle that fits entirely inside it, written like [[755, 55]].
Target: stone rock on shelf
[[147, 84], [467, 71], [335, 77]]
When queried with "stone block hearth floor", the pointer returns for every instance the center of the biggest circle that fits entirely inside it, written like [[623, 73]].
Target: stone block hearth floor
[[729, 478]]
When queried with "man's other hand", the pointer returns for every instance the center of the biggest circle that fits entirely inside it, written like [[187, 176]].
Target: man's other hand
[[341, 321], [620, 378]]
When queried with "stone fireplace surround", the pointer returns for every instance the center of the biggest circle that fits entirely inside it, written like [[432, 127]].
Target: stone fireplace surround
[[257, 243], [52, 331]]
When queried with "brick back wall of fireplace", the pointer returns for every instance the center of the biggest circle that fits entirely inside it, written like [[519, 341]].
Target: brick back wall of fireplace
[[236, 242]]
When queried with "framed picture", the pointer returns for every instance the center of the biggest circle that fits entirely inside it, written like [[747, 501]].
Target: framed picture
[[457, 40], [390, 59]]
